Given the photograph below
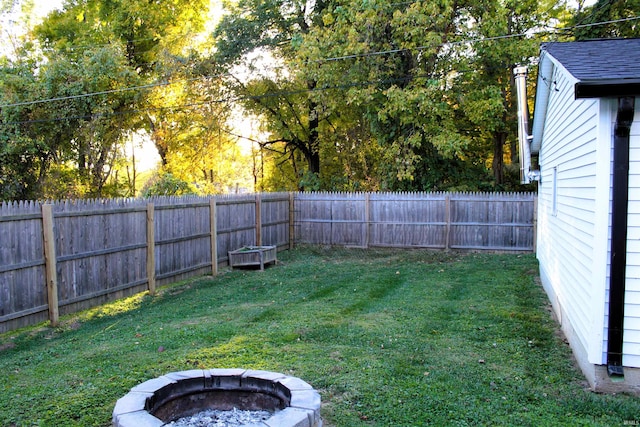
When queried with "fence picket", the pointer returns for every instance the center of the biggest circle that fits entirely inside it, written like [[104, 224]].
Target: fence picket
[[108, 249]]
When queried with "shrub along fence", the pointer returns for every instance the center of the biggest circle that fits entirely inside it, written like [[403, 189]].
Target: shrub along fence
[[61, 257]]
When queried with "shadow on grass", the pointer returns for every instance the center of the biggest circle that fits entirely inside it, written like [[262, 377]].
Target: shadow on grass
[[388, 337]]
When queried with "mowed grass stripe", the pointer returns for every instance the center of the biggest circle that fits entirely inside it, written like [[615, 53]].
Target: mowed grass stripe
[[389, 338]]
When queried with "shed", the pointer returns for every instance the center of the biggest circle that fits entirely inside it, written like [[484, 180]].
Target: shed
[[586, 134]]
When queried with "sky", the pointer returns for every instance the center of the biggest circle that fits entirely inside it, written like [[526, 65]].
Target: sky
[[44, 6]]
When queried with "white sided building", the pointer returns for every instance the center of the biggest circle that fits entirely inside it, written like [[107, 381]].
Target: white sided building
[[586, 135]]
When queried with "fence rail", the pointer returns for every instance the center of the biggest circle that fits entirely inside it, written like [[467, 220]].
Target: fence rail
[[489, 221], [61, 257]]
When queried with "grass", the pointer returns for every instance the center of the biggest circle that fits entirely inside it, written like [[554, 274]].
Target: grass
[[389, 338]]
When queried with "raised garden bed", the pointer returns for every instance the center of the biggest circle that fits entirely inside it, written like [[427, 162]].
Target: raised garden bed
[[253, 256]]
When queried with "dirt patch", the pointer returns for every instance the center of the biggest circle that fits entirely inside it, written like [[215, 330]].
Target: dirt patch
[[7, 346]]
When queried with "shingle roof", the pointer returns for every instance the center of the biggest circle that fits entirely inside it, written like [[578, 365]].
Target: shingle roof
[[600, 65], [599, 59]]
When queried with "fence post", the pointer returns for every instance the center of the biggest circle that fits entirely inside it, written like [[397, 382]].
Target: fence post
[[213, 221], [291, 220], [151, 250], [50, 263], [447, 215], [258, 220], [367, 218], [535, 224]]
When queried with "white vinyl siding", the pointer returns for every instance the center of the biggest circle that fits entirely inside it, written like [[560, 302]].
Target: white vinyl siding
[[566, 240], [574, 217], [631, 347], [554, 191], [602, 251]]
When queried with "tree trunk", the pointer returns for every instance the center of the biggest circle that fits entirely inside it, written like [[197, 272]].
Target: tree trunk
[[313, 156], [82, 160], [499, 139], [313, 162], [159, 142]]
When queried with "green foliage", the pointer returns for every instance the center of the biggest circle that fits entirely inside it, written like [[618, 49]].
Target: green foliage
[[63, 182], [93, 137], [358, 95], [144, 31], [26, 147], [91, 47], [310, 181], [166, 185], [607, 11], [431, 99], [194, 143]]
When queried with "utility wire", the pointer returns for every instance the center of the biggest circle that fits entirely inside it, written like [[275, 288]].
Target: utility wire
[[85, 95], [593, 12], [473, 41], [107, 92], [220, 100], [594, 24], [337, 58]]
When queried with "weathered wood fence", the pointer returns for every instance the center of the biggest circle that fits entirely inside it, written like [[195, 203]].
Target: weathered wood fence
[[489, 221], [61, 257], [67, 256]]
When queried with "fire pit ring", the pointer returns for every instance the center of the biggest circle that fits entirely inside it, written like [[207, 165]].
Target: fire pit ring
[[161, 400]]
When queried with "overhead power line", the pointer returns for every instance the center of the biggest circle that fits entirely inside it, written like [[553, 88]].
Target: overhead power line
[[85, 95], [472, 41], [220, 101], [614, 21], [334, 59]]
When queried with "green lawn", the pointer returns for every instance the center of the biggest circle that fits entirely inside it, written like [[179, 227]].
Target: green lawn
[[389, 338]]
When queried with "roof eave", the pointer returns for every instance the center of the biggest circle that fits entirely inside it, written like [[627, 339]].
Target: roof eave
[[546, 68], [607, 88]]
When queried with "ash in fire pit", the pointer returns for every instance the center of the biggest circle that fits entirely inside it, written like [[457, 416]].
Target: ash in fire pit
[[216, 418], [165, 399]]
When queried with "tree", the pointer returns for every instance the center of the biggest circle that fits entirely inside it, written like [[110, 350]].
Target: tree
[[147, 33], [153, 39], [392, 61], [437, 98], [97, 127], [350, 94], [615, 12], [108, 48], [69, 126], [23, 158], [280, 97], [486, 87]]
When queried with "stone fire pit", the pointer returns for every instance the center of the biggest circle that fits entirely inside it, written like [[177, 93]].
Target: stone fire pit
[[159, 401]]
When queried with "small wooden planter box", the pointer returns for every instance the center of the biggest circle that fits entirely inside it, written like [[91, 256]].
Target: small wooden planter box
[[253, 255]]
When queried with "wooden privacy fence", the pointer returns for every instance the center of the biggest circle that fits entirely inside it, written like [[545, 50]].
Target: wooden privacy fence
[[483, 221], [61, 257], [67, 256]]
